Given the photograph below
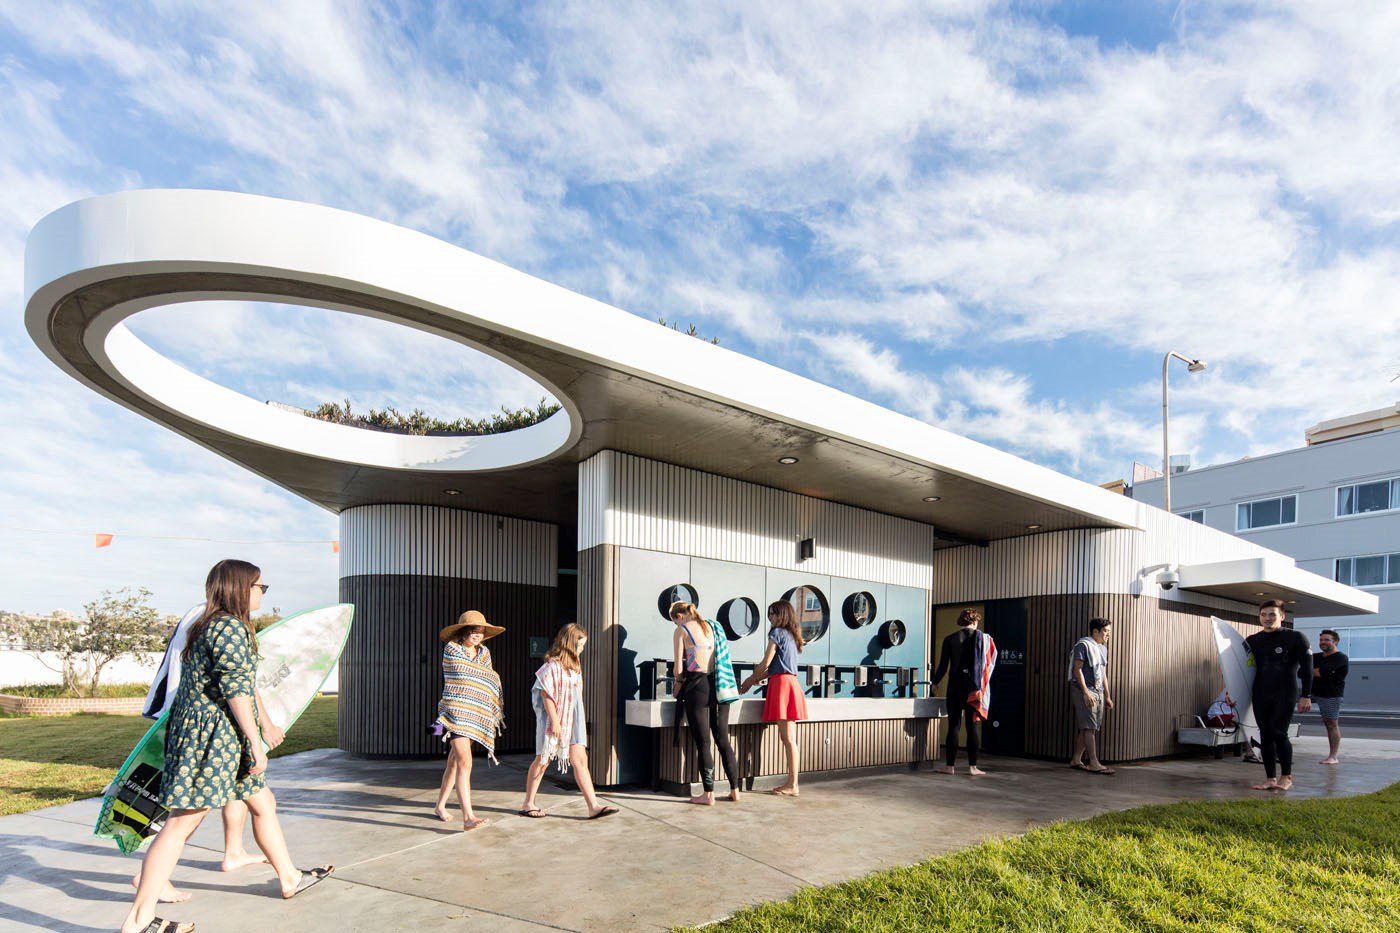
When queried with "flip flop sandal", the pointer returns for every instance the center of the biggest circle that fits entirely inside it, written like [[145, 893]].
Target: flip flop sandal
[[159, 925], [309, 879], [535, 814], [1078, 767], [1102, 772], [475, 824], [606, 811]]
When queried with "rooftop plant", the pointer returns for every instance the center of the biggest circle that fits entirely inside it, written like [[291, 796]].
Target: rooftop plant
[[420, 422]]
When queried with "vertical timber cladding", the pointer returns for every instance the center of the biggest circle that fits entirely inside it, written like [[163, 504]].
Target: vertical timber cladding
[[410, 571], [634, 504], [1162, 657]]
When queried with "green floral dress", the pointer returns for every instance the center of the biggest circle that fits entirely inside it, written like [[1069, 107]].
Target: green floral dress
[[207, 757]]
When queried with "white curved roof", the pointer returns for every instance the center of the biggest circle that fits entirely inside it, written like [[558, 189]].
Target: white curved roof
[[625, 383]]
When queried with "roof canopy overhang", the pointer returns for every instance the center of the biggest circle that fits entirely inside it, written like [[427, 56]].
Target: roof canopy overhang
[[625, 383], [1256, 579]]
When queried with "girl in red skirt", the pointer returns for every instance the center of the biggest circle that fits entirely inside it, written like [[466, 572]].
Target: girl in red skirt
[[784, 702]]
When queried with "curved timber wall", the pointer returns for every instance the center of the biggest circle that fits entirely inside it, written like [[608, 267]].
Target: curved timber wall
[[410, 570]]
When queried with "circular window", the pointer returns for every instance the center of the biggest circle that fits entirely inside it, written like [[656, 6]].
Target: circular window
[[680, 593], [892, 633], [858, 609], [813, 613], [739, 617]]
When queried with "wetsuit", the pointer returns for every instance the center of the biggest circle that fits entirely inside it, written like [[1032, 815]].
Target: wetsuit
[[1282, 658], [957, 659]]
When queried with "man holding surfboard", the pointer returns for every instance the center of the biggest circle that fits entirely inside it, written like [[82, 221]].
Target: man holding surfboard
[[1281, 658]]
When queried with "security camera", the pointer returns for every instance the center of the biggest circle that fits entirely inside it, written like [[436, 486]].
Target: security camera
[[1168, 579]]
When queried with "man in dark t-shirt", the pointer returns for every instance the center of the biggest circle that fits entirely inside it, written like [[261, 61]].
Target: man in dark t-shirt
[[1281, 658], [1329, 682]]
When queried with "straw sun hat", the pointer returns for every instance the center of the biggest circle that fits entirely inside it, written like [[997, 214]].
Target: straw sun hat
[[469, 619]]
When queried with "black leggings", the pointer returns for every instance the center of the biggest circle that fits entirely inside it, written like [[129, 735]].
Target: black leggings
[[709, 719], [1274, 713], [958, 708]]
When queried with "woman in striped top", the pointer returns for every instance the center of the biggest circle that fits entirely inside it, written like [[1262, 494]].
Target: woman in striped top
[[470, 709]]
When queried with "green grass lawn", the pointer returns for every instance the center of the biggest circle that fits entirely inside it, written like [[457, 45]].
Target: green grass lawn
[[48, 760], [1274, 864], [104, 691]]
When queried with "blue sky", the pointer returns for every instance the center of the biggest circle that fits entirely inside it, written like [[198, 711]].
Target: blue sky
[[995, 217]]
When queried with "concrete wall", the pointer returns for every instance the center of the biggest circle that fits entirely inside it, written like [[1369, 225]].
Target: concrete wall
[[18, 668]]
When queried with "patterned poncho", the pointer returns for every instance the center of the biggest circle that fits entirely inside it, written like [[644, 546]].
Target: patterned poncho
[[471, 696]]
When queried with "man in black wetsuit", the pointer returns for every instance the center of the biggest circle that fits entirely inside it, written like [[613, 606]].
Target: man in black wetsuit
[[1281, 658], [957, 659]]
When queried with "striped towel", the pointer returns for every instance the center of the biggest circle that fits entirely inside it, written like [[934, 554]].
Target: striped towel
[[471, 696], [726, 686]]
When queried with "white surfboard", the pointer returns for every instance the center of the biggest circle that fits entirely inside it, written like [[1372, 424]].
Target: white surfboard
[[1237, 664], [296, 659]]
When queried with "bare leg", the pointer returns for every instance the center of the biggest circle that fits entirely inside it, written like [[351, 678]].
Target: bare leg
[[532, 782], [789, 739], [578, 760], [449, 781], [462, 760], [1334, 740], [1076, 757], [1091, 749], [267, 832], [159, 864], [235, 855]]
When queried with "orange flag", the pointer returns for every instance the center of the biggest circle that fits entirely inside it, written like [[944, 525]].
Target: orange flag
[[103, 540], [335, 547]]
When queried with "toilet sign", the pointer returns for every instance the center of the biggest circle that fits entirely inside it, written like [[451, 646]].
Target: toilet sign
[[539, 644]]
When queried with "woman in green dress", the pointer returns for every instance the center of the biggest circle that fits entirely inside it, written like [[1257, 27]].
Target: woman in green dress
[[213, 749]]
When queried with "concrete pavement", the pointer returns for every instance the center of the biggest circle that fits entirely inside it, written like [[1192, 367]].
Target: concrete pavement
[[400, 869]]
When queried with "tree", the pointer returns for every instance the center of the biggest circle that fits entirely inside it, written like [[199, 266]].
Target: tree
[[117, 624]]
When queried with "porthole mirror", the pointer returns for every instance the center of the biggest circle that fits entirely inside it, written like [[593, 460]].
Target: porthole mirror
[[680, 593], [738, 617], [858, 609], [813, 612], [892, 633]]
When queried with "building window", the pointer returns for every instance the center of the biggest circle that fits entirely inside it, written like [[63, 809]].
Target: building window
[[1372, 570], [1195, 515], [1262, 513], [1380, 496], [1370, 643]]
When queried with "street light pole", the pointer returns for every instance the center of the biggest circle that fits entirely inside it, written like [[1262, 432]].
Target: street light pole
[[1192, 366]]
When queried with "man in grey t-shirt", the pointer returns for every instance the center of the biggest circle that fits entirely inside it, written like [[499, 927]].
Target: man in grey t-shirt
[[1089, 695]]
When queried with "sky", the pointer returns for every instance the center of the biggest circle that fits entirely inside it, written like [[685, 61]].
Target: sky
[[995, 217]]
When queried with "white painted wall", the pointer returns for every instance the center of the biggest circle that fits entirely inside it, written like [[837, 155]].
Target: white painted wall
[[635, 502], [19, 668]]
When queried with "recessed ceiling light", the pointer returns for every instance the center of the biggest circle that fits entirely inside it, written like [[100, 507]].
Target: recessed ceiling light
[[1032, 527], [453, 492], [1261, 594], [787, 461], [932, 498]]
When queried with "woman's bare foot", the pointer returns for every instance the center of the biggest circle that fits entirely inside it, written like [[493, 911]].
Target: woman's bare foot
[[787, 790], [975, 771], [168, 895], [734, 795], [441, 811], [1329, 761], [475, 822], [945, 769], [243, 860], [1284, 783], [706, 799], [1269, 784]]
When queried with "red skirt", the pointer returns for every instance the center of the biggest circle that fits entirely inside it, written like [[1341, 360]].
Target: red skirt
[[784, 699]]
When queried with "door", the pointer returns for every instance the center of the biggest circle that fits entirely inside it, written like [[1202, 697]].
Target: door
[[1004, 732]]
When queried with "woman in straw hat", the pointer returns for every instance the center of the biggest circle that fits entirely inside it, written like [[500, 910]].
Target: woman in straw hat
[[470, 709]]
